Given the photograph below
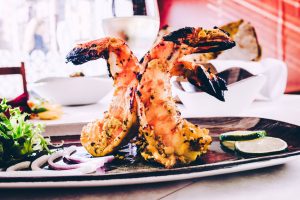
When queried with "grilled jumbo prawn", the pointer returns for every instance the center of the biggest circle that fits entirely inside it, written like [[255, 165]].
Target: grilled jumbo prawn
[[119, 124], [164, 136]]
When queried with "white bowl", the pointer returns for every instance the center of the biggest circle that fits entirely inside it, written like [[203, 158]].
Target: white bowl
[[238, 97], [73, 91]]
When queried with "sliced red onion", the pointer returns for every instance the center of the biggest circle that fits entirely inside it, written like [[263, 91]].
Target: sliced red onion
[[83, 165], [87, 168], [76, 159], [108, 158], [100, 170], [70, 150], [60, 154], [39, 162], [19, 166], [71, 159], [95, 165]]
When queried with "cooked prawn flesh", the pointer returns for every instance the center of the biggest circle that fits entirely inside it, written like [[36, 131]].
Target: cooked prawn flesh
[[119, 125], [164, 136]]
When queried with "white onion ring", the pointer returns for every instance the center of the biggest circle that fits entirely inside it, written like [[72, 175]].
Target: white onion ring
[[19, 166], [39, 162]]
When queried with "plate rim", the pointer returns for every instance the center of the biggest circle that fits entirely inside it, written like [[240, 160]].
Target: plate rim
[[145, 180]]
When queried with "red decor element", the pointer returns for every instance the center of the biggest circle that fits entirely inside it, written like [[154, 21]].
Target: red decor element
[[21, 100], [277, 24]]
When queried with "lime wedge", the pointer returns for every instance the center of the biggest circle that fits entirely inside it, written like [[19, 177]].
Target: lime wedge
[[261, 146], [228, 144], [242, 135]]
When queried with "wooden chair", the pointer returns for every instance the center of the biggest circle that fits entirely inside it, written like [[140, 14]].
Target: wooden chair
[[16, 70], [21, 100]]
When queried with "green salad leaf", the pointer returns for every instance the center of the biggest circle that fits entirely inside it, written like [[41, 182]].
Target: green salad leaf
[[19, 139]]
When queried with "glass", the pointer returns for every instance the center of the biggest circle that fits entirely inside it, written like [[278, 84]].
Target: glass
[[135, 21]]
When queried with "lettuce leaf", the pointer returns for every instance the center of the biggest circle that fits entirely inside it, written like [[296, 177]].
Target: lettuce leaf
[[19, 139]]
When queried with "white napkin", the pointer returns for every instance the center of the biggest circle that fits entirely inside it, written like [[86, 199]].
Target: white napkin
[[275, 72]]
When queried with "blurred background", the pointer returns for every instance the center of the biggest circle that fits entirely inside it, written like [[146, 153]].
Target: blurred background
[[41, 32]]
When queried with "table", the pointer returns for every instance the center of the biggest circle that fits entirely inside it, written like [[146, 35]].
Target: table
[[278, 182]]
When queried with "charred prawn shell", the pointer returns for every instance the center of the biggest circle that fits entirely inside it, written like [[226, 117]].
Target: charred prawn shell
[[203, 44], [210, 84], [80, 55]]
